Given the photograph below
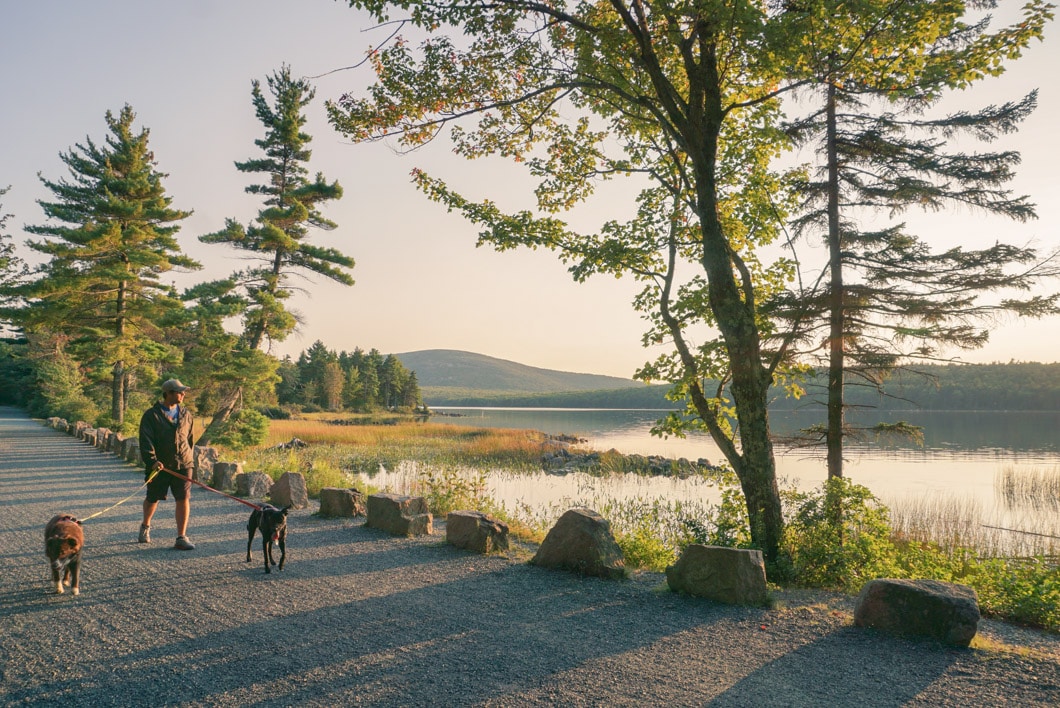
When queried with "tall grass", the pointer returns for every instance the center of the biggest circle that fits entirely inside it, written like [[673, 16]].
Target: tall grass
[[1036, 487], [365, 447], [957, 523]]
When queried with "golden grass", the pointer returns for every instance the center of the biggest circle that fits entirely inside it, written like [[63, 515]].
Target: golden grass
[[390, 444]]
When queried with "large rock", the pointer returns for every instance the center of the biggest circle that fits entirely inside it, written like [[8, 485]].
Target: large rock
[[290, 490], [476, 531], [115, 442], [581, 541], [224, 475], [342, 502], [131, 451], [204, 458], [88, 435], [399, 515], [253, 485], [732, 575], [947, 612], [101, 438]]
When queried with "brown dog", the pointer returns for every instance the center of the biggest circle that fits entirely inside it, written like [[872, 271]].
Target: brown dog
[[63, 539]]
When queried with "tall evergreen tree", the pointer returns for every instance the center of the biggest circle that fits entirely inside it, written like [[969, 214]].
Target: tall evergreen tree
[[109, 239], [12, 268], [888, 298], [279, 238], [278, 242]]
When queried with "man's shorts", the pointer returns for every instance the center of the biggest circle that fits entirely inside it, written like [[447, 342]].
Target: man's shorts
[[164, 482]]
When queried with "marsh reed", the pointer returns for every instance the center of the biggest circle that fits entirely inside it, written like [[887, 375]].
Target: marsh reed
[[1035, 487], [956, 522]]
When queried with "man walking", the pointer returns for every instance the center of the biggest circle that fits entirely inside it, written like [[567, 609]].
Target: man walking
[[166, 444]]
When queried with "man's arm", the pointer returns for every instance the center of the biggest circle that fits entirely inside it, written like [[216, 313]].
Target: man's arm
[[148, 453]]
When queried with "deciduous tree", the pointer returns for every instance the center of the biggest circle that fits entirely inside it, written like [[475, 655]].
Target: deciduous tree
[[680, 95]]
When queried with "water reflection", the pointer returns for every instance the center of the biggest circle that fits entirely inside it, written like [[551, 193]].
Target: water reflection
[[962, 454]]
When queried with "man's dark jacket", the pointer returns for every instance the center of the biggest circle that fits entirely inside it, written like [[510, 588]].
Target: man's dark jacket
[[167, 442]]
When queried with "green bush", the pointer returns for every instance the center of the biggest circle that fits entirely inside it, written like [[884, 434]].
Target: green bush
[[643, 548], [246, 428], [838, 537], [1024, 591], [449, 490]]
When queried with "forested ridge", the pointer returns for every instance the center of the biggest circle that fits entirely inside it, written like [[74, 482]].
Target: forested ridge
[[987, 387]]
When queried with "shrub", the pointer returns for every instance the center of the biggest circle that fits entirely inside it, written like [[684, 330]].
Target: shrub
[[245, 429], [1025, 591], [451, 491], [839, 537], [643, 548]]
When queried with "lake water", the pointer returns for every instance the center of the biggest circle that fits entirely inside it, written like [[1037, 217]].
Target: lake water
[[962, 455]]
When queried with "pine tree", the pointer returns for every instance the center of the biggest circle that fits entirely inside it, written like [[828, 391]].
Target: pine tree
[[279, 238], [887, 298], [278, 242], [109, 239], [12, 268]]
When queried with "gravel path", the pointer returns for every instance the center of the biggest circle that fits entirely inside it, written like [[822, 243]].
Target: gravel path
[[360, 618]]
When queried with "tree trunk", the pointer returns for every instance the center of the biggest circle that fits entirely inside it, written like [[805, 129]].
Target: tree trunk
[[117, 384], [117, 393], [836, 316], [734, 314], [225, 410], [733, 308]]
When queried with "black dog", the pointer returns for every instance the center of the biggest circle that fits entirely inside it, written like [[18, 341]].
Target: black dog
[[272, 523]]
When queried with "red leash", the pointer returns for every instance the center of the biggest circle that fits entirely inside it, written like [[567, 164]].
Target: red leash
[[211, 489]]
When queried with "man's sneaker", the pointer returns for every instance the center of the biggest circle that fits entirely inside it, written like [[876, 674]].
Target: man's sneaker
[[183, 544], [145, 534]]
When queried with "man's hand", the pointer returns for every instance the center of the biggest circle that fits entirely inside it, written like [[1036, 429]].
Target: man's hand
[[157, 467]]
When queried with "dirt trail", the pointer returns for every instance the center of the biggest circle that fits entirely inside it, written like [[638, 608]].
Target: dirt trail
[[360, 618]]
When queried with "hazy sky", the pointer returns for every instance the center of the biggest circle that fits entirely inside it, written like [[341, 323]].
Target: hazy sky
[[186, 69]]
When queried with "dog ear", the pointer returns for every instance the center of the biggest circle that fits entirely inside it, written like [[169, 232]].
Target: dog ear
[[70, 542]]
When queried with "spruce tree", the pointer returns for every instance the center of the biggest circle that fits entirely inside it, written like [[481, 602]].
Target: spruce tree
[[887, 298], [109, 239]]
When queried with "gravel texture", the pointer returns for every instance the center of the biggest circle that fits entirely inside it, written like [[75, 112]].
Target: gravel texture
[[361, 618]]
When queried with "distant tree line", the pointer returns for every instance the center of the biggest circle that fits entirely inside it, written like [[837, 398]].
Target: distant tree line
[[1016, 386], [321, 379]]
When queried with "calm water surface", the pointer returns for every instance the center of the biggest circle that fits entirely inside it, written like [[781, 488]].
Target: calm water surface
[[962, 455]]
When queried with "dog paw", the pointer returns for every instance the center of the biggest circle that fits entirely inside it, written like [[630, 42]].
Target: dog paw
[[76, 591], [58, 589]]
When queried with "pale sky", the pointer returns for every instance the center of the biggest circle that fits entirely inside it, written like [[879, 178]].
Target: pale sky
[[186, 69]]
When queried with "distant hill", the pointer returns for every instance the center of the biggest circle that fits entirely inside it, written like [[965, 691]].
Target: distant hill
[[451, 369], [457, 378]]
